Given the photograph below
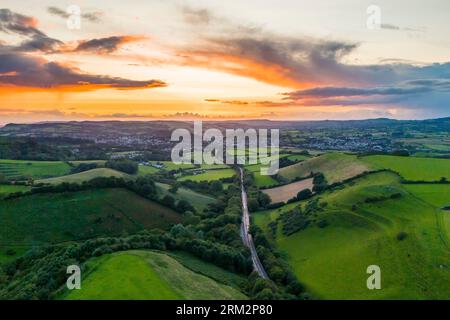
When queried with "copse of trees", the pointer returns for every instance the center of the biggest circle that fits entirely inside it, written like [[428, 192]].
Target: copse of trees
[[123, 165], [285, 284]]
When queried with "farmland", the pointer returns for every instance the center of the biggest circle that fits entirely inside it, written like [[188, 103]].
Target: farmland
[[58, 217], [19, 169], [209, 175], [412, 168], [145, 275], [288, 191], [332, 261]]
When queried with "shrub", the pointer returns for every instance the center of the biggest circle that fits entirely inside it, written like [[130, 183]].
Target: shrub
[[401, 235]]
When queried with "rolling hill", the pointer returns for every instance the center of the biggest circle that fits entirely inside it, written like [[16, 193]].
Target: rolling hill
[[147, 275], [335, 166], [58, 217], [85, 176], [372, 220]]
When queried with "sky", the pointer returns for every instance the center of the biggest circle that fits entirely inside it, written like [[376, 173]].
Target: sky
[[218, 60]]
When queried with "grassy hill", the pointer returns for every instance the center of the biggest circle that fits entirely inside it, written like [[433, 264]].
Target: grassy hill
[[332, 261], [57, 217], [36, 169], [335, 166], [199, 201], [85, 176], [412, 168], [146, 275]]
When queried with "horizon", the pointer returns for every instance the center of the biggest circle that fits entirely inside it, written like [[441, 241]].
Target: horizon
[[73, 61], [215, 120]]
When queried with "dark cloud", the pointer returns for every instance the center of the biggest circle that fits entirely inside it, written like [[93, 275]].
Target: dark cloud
[[25, 71], [90, 16], [235, 102], [106, 45], [326, 92], [11, 22], [40, 43]]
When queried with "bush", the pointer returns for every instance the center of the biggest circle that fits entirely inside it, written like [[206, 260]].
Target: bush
[[304, 194], [123, 165], [401, 235]]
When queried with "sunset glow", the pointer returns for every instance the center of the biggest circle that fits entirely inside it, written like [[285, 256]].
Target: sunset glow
[[204, 59]]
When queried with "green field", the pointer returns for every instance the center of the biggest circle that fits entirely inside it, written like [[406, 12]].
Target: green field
[[146, 275], [6, 189], [412, 168], [335, 166], [209, 175], [57, 217], [143, 170], [332, 261], [14, 169], [199, 201], [437, 195], [259, 179], [85, 176]]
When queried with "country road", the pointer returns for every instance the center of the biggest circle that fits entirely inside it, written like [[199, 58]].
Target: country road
[[245, 232]]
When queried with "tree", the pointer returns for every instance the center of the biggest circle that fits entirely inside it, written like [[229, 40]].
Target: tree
[[304, 194], [168, 201], [253, 204], [216, 186], [320, 182], [183, 206], [174, 188]]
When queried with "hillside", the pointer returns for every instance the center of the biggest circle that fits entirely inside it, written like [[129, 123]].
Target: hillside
[[146, 275], [373, 220], [85, 176], [57, 217], [335, 166], [199, 201]]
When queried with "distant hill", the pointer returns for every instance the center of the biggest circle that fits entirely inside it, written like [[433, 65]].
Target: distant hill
[[87, 129]]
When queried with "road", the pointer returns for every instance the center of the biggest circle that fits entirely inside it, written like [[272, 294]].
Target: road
[[245, 232]]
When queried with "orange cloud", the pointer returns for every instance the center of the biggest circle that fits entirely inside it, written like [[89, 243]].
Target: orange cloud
[[270, 73]]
